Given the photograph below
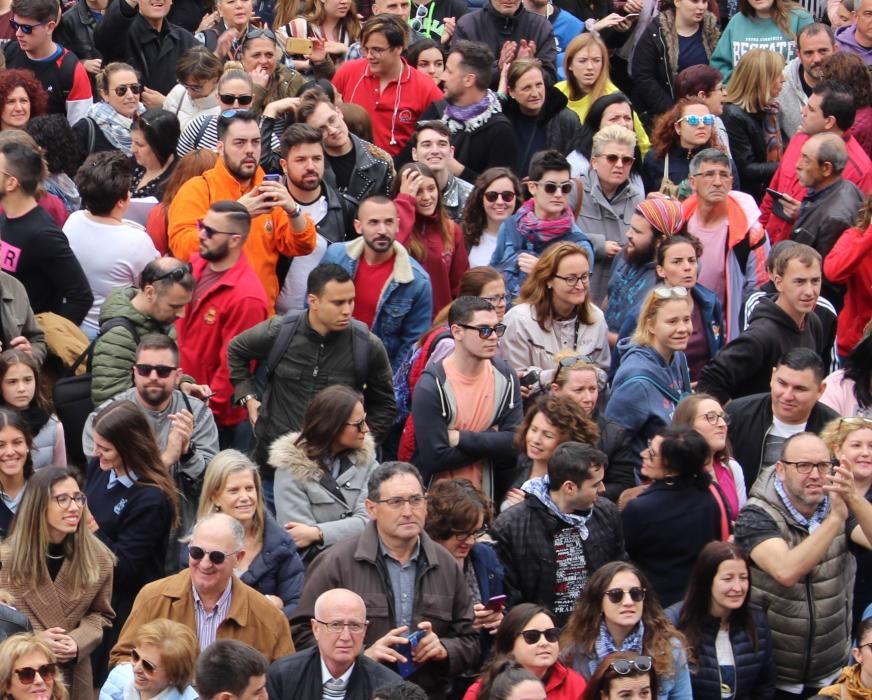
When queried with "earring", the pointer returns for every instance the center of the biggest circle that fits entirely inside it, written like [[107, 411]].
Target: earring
[[216, 508]]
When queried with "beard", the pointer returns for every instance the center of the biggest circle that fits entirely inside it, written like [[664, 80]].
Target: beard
[[640, 255]]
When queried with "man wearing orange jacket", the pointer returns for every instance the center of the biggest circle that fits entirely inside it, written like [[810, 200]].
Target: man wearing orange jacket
[[278, 225]]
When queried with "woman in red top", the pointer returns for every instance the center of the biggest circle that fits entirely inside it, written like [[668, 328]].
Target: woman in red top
[[432, 238], [529, 636]]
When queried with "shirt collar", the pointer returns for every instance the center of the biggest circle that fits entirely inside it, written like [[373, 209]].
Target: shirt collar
[[127, 479], [326, 675], [224, 596], [413, 558], [12, 503]]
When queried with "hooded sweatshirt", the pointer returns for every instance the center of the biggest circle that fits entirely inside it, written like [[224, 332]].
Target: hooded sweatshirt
[[646, 390], [792, 98], [846, 40]]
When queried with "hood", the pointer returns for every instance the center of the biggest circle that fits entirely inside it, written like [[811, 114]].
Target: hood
[[555, 102], [284, 454], [791, 75], [769, 310], [644, 360], [845, 37]]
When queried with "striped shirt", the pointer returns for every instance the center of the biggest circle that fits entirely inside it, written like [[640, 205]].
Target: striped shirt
[[334, 688], [202, 132], [208, 622]]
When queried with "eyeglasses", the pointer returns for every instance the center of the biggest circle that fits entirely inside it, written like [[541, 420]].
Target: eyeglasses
[[227, 99], [336, 626], [573, 280], [462, 536], [209, 231], [121, 90], [714, 416], [147, 666], [396, 503], [216, 556], [533, 636], [806, 467], [176, 275], [552, 187], [616, 595], [65, 499], [867, 644], [27, 674], [376, 51], [417, 22], [358, 423], [696, 119], [613, 158], [713, 174], [506, 195], [670, 292], [624, 666], [163, 371], [28, 30], [496, 300], [485, 332]]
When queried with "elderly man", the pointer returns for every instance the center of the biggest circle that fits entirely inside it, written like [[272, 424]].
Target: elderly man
[[209, 598], [336, 663]]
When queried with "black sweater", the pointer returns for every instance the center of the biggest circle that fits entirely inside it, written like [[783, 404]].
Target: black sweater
[[37, 252]]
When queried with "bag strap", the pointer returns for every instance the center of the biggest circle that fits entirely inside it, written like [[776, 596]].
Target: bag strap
[[725, 521], [290, 321], [201, 130], [360, 351], [666, 391], [92, 134]]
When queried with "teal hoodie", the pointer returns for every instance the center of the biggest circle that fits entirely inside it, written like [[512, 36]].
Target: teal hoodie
[[745, 33]]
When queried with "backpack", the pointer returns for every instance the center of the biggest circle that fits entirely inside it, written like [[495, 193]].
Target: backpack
[[405, 379], [72, 394]]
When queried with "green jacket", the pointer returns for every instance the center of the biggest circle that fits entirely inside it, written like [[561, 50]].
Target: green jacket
[[115, 350]]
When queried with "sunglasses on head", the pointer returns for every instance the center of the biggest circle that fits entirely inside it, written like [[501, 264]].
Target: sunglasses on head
[[616, 595], [696, 119], [507, 196], [216, 556], [613, 158], [121, 90], [163, 371], [147, 666], [625, 666], [26, 28], [176, 274], [485, 332], [552, 187], [28, 674], [533, 636], [227, 99]]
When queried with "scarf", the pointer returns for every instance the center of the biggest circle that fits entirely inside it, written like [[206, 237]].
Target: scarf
[[472, 116], [539, 233], [665, 215], [605, 644], [774, 145], [35, 418], [539, 487], [812, 523], [115, 127]]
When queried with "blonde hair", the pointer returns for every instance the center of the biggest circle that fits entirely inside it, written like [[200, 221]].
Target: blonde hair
[[315, 12], [598, 89], [648, 312], [16, 646], [838, 430], [222, 466], [613, 133], [750, 85], [561, 372], [178, 649]]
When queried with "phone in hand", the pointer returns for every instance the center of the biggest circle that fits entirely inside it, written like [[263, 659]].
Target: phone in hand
[[496, 603], [530, 379], [406, 668], [272, 177], [776, 194], [632, 15], [298, 46]]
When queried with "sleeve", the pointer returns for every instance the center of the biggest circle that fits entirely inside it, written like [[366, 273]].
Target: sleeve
[[621, 471], [459, 262], [378, 394], [629, 406], [31, 330], [188, 206], [269, 159], [89, 632], [462, 642], [602, 353], [753, 527], [251, 345], [59, 450], [289, 242], [87, 432], [81, 98], [502, 152], [682, 689], [406, 213], [110, 34], [503, 544], [546, 52], [290, 581], [755, 264], [61, 265], [322, 575], [113, 359], [205, 439], [722, 58], [642, 140], [751, 169], [516, 344], [764, 688], [417, 321], [848, 254], [725, 372], [649, 93]]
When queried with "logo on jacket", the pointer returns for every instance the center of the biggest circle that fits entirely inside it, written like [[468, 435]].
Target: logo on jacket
[[120, 506], [210, 315], [405, 116]]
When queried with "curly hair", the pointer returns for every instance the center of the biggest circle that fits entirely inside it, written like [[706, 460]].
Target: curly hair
[[57, 140], [664, 136], [849, 68], [474, 217], [565, 415], [12, 78], [454, 506]]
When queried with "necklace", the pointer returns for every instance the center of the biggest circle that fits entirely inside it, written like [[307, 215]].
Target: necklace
[[54, 556]]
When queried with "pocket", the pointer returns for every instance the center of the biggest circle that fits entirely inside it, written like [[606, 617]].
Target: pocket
[[437, 608], [393, 313]]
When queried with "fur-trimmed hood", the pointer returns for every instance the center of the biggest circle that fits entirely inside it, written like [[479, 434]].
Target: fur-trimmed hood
[[285, 454], [666, 22]]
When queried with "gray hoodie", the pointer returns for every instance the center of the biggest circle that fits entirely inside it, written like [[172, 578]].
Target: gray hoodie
[[792, 98]]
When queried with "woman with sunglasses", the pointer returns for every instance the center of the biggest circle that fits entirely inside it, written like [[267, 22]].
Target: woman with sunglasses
[[751, 118], [623, 675], [235, 91], [682, 510], [619, 612], [678, 136], [161, 665], [495, 197], [730, 637], [29, 670], [198, 72], [108, 123], [653, 375], [60, 574], [133, 504], [322, 472], [231, 484], [155, 138], [529, 636], [705, 82]]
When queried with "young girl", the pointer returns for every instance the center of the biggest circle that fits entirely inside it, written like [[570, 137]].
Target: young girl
[[432, 238], [16, 466], [23, 392]]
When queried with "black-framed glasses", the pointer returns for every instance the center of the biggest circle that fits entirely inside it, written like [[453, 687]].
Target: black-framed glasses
[[64, 500], [616, 595], [228, 99], [506, 195], [624, 666], [208, 231], [712, 417], [162, 371], [573, 280], [27, 674], [463, 536], [147, 666], [485, 332], [533, 636], [336, 626], [807, 467], [216, 556], [176, 274], [28, 30], [613, 158], [552, 187], [359, 424], [652, 453], [397, 502], [121, 90]]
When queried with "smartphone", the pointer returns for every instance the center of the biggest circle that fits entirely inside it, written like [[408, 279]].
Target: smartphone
[[406, 668], [775, 193], [272, 177], [531, 378], [632, 15], [496, 603], [298, 47]]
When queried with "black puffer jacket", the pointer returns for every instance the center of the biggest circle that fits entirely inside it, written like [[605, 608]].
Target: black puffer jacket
[[748, 149], [755, 666]]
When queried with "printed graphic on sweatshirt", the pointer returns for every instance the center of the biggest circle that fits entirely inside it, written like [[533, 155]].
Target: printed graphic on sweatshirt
[[9, 257], [571, 576]]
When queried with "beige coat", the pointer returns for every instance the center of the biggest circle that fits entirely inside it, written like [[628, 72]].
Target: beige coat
[[84, 617]]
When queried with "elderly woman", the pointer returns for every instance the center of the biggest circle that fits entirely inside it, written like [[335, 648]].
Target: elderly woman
[[610, 198]]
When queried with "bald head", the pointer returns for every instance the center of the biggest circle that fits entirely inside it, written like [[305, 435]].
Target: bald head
[[339, 627], [830, 149], [220, 525], [338, 597], [822, 160]]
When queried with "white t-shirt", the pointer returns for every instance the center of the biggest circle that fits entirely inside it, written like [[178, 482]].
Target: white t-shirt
[[293, 292], [110, 256], [482, 253]]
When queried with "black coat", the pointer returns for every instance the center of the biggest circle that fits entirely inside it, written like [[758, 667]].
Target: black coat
[[748, 149], [12, 622], [621, 469], [76, 31], [755, 666]]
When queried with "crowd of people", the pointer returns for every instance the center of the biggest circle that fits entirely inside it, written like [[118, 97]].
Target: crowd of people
[[480, 349]]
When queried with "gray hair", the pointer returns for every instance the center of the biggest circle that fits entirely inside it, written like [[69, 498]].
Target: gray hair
[[388, 470], [613, 133], [709, 155], [831, 149], [237, 531]]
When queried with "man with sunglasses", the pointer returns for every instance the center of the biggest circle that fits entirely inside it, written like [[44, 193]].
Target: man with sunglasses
[[552, 541], [210, 598], [466, 407], [799, 526]]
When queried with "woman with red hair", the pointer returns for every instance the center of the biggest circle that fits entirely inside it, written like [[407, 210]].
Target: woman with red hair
[[22, 96]]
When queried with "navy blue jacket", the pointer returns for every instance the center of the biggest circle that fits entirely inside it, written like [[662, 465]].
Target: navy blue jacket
[[489, 575], [6, 516]]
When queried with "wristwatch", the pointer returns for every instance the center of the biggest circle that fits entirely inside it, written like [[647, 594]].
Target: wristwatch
[[245, 399], [298, 212]]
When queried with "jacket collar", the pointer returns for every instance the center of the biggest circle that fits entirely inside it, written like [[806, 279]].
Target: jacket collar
[[179, 588], [402, 273], [555, 102], [231, 276], [368, 546], [737, 221], [220, 172]]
